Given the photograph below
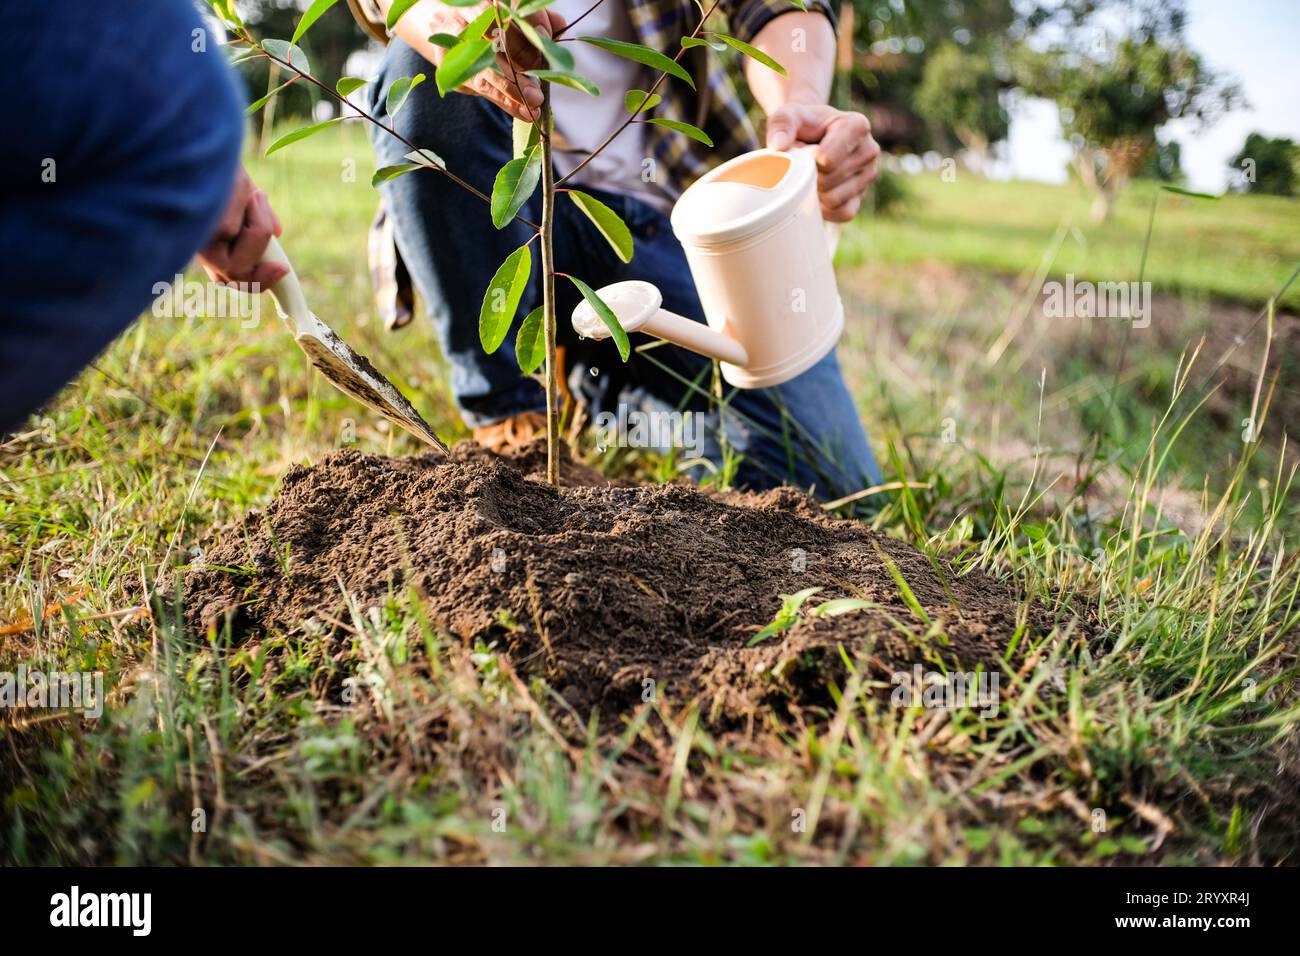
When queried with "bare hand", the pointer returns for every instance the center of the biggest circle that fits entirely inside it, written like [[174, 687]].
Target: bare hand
[[517, 94], [846, 152], [234, 254]]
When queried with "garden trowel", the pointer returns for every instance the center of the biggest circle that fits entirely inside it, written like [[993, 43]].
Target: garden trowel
[[351, 373]]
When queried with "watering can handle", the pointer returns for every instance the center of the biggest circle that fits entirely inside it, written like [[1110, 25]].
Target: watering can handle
[[832, 228], [832, 237]]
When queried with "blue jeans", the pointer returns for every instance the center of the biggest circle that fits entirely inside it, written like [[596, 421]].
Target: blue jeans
[[123, 145], [805, 432]]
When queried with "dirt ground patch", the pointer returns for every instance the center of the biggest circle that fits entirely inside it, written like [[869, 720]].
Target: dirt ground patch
[[595, 587]]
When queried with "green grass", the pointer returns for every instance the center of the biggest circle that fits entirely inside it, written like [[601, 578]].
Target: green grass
[[1163, 705], [1237, 247]]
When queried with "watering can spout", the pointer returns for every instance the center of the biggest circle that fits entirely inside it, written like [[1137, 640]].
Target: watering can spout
[[637, 306]]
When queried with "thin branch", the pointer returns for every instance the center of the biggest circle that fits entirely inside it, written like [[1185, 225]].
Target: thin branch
[[582, 16], [392, 132], [514, 71], [649, 93]]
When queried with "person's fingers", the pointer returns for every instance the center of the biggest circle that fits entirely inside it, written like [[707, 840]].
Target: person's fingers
[[210, 267], [516, 83], [794, 123], [521, 49], [783, 126], [247, 250], [844, 212], [267, 274], [850, 189], [232, 220], [836, 148], [844, 160], [845, 147], [555, 22], [491, 88]]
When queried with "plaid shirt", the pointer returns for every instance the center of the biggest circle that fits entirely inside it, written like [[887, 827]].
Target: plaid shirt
[[715, 106]]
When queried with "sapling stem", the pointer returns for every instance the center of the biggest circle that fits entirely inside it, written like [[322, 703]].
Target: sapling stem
[[542, 119], [548, 293]]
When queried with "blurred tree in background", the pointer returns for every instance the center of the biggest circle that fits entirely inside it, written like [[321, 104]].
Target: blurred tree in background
[[1164, 163], [960, 92], [963, 45], [940, 74], [1116, 89], [332, 39], [1266, 165]]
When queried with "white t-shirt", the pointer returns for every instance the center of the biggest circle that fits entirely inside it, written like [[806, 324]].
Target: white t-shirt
[[586, 121]]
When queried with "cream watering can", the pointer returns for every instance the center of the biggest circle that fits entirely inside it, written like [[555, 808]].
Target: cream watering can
[[760, 256]]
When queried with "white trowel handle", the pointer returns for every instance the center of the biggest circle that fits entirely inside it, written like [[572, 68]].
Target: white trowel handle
[[287, 293]]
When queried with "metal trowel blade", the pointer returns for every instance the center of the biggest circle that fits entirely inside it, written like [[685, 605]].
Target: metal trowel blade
[[353, 374], [349, 371]]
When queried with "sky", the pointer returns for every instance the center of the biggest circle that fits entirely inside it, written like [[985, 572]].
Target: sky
[[1256, 41]]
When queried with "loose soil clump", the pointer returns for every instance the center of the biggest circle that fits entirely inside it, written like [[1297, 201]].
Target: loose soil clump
[[599, 588]]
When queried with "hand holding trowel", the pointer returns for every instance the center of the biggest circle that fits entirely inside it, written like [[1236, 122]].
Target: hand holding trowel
[[351, 373]]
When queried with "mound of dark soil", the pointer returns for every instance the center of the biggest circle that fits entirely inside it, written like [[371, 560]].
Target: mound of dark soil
[[596, 588]]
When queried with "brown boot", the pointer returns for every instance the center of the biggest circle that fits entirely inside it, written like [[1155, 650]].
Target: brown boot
[[512, 434]]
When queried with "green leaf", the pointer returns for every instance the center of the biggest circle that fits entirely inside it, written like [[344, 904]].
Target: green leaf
[[607, 316], [530, 342], [463, 61], [399, 91], [478, 26], [225, 11], [385, 173], [839, 606], [311, 16], [461, 3], [567, 78], [529, 7], [556, 55], [502, 299], [303, 133], [396, 11], [786, 618], [1187, 192], [751, 52], [427, 157], [607, 221], [715, 45], [687, 128], [904, 590], [245, 56], [286, 51], [256, 105], [523, 136], [446, 40], [514, 184], [638, 101], [140, 793], [641, 54], [349, 84]]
